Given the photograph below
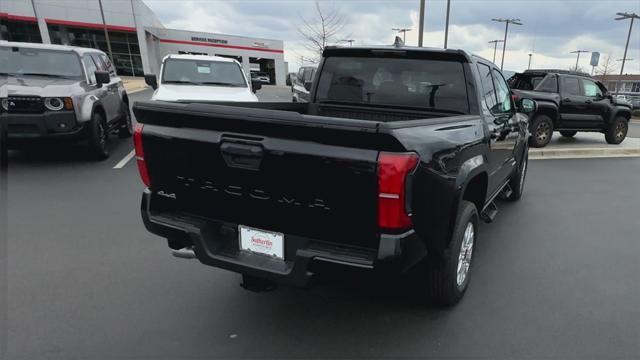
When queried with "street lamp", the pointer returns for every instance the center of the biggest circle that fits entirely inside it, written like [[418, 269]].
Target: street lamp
[[624, 16], [350, 41], [404, 33], [495, 48], [578, 58], [446, 26], [506, 29], [529, 66]]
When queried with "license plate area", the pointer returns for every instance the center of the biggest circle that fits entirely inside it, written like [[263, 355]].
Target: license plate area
[[260, 241]]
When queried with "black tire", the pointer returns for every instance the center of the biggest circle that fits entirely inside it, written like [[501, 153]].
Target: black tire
[[617, 131], [125, 130], [516, 183], [568, 133], [541, 131], [98, 137], [444, 287]]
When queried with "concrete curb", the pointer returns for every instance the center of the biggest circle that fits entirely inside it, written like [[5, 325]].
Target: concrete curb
[[586, 153]]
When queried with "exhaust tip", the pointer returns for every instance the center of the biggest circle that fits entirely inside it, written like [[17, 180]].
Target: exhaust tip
[[184, 253]]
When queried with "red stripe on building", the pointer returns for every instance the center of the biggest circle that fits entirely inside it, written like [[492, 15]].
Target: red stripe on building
[[89, 25], [17, 17], [199, 43]]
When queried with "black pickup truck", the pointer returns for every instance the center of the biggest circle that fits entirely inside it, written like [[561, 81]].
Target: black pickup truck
[[570, 102], [390, 166]]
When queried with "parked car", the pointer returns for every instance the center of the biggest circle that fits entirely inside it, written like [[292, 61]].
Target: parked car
[[570, 102], [302, 83], [186, 78], [63, 93], [261, 76], [289, 81], [399, 155]]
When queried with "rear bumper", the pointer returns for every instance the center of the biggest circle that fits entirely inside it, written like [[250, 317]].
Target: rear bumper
[[48, 125], [215, 243]]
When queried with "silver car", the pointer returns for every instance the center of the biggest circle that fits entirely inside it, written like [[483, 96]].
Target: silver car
[[56, 92]]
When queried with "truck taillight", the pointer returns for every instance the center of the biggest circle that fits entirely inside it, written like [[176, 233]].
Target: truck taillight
[[393, 171], [142, 165]]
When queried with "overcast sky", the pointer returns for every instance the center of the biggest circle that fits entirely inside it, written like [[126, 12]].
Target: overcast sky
[[551, 30]]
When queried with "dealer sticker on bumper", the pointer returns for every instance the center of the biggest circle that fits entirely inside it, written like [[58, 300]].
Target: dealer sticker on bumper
[[261, 241]]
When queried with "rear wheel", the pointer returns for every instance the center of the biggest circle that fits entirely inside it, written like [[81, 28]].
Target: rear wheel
[[98, 137], [448, 275], [568, 133], [125, 129], [541, 131], [617, 131]]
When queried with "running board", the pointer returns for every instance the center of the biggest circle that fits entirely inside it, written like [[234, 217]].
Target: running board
[[506, 191], [489, 213]]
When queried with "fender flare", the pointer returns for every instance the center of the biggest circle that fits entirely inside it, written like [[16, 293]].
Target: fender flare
[[549, 109], [619, 110], [88, 107]]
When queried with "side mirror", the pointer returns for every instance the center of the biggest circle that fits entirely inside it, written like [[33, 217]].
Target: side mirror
[[102, 77], [151, 80], [528, 106], [256, 85], [307, 85]]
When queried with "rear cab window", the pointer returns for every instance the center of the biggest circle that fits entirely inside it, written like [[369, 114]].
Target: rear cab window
[[416, 83]]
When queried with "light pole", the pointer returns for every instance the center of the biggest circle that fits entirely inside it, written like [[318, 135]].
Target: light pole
[[495, 48], [578, 58], [624, 16], [350, 41], [106, 33], [404, 33], [421, 23], [506, 29], [529, 66], [446, 26]]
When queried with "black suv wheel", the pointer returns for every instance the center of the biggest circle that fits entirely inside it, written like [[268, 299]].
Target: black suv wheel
[[617, 131], [541, 131], [98, 137]]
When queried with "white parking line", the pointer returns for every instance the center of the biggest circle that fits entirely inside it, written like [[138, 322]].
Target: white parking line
[[125, 160]]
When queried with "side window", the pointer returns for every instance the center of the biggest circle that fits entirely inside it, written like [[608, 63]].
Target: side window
[[99, 63], [308, 75], [488, 92], [108, 64], [571, 86], [502, 93], [91, 68], [591, 89], [549, 84], [300, 75]]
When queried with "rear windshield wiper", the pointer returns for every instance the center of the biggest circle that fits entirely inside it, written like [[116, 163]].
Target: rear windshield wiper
[[180, 82], [42, 74], [220, 83]]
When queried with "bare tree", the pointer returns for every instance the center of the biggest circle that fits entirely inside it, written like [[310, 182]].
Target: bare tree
[[607, 67], [321, 31]]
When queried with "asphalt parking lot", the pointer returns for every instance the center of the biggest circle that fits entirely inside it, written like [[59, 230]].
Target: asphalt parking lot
[[556, 276]]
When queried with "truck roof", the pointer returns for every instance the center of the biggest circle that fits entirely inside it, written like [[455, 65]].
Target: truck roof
[[556, 71], [329, 50], [198, 57], [77, 49]]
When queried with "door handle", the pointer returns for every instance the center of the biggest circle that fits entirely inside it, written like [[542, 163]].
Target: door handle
[[588, 102], [566, 100]]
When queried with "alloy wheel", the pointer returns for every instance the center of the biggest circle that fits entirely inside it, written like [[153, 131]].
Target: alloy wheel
[[466, 252]]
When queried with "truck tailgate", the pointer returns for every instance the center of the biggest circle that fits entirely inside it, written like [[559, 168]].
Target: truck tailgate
[[266, 169]]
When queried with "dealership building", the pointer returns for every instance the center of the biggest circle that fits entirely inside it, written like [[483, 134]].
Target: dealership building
[[137, 38]]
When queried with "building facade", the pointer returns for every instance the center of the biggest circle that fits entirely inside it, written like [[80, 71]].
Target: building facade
[[137, 38], [629, 84]]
